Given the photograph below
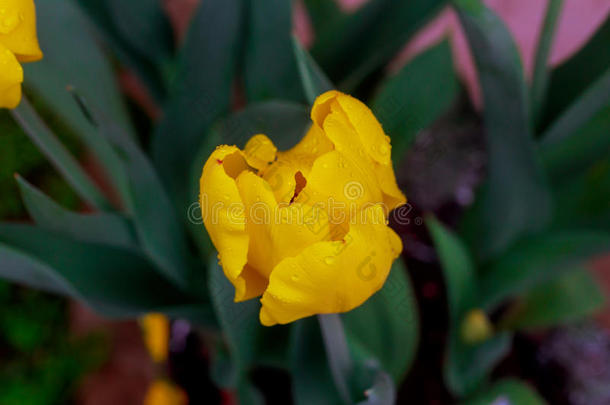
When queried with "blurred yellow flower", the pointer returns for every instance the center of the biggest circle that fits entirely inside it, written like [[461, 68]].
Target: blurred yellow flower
[[306, 228], [476, 327], [164, 393], [155, 328], [18, 43]]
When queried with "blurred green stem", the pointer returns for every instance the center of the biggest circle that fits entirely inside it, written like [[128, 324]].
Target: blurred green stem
[[337, 352], [541, 71]]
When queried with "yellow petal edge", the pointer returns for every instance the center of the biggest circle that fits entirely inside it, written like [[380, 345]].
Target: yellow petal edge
[[18, 43]]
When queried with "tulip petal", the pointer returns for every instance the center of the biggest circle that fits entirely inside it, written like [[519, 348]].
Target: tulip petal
[[224, 218], [11, 77], [392, 196], [332, 276], [375, 141], [18, 29], [287, 228], [282, 175], [340, 185], [260, 152]]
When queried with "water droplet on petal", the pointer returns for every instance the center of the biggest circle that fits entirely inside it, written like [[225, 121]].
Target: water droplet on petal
[[9, 21], [329, 260]]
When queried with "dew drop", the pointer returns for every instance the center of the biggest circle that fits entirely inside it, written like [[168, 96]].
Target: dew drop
[[295, 277], [329, 260], [383, 149], [8, 21]]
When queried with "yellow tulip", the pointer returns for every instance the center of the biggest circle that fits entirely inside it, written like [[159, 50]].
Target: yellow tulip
[[165, 393], [155, 330], [306, 228], [18, 43]]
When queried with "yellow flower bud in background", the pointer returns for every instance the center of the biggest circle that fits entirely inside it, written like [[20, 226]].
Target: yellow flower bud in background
[[476, 327], [155, 330], [306, 228], [18, 43], [162, 392]]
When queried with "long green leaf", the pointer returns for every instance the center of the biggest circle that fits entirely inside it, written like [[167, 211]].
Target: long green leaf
[[541, 69], [416, 96], [386, 327], [570, 157], [322, 13], [103, 228], [536, 259], [143, 25], [458, 269], [72, 56], [569, 298], [313, 80], [241, 329], [117, 282], [515, 198], [159, 230], [569, 80], [585, 199], [357, 44], [58, 155], [100, 12], [466, 365], [580, 112], [201, 92], [270, 67]]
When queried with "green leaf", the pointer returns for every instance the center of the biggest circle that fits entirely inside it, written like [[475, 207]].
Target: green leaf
[[572, 78], [239, 322], [585, 198], [357, 44], [102, 228], [536, 259], [579, 137], [313, 79], [201, 92], [117, 282], [514, 199], [416, 96], [509, 391], [58, 155], [466, 365], [159, 230], [72, 57], [144, 26], [270, 67], [458, 270], [571, 297], [101, 13], [312, 382], [386, 326], [322, 13], [541, 68]]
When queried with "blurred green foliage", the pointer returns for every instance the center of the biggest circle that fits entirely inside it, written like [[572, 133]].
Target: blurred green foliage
[[40, 363]]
